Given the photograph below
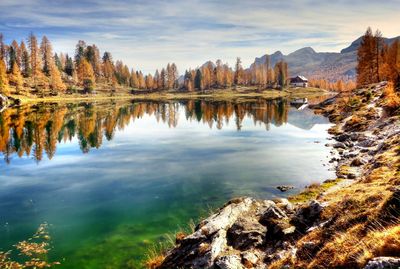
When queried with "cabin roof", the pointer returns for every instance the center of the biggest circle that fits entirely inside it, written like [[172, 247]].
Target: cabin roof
[[299, 79]]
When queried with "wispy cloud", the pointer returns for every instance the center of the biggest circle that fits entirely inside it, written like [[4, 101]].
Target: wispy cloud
[[148, 34]]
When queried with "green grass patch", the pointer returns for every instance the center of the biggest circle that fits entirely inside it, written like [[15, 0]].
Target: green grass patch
[[313, 191]]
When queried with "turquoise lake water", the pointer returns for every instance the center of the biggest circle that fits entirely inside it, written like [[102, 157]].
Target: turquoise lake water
[[112, 178]]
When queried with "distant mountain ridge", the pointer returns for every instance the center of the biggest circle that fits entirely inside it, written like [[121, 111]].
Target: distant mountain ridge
[[329, 65], [356, 43]]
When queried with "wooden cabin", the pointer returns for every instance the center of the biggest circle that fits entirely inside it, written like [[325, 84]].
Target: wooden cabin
[[299, 81]]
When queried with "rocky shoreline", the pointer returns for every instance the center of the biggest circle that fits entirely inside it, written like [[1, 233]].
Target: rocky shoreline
[[250, 233]]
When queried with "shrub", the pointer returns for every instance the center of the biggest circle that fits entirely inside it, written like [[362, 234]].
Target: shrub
[[88, 85], [392, 101], [72, 89]]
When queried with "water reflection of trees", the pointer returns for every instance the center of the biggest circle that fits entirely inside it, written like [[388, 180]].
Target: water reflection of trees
[[36, 130]]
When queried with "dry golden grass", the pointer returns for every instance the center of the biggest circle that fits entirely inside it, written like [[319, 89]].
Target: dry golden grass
[[363, 218], [154, 262], [359, 231]]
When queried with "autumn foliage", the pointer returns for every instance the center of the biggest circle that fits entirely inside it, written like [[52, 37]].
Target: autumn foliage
[[32, 252], [377, 61], [339, 85], [3, 79], [35, 69]]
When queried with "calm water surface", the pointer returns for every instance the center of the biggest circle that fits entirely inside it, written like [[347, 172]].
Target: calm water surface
[[113, 178]]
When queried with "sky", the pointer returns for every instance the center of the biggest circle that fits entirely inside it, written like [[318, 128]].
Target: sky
[[148, 34]]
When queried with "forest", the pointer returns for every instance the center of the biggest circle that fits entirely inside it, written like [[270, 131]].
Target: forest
[[33, 68]]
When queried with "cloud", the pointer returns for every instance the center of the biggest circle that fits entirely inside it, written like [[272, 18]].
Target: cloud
[[148, 34]]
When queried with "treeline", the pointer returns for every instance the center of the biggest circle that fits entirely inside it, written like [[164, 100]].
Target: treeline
[[220, 75], [34, 68], [339, 85], [377, 61], [35, 131]]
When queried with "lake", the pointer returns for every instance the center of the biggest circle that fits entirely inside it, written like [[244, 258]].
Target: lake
[[113, 178]]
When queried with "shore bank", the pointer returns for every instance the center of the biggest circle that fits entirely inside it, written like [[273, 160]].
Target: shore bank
[[352, 221], [217, 94]]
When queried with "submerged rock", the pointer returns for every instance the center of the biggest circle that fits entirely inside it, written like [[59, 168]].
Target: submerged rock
[[284, 188]]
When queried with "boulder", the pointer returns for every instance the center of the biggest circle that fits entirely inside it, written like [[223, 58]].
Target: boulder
[[342, 137], [246, 233], [367, 143], [285, 205], [273, 212], [348, 144], [209, 241], [339, 145], [358, 162], [350, 154], [383, 263], [306, 216], [282, 229], [224, 218]]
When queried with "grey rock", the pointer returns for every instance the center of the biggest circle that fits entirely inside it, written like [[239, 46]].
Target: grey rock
[[339, 145], [350, 154], [348, 144], [306, 216], [209, 241], [278, 229], [357, 136], [246, 233], [250, 258], [342, 137], [383, 263], [272, 212], [223, 219], [285, 205], [229, 262], [284, 188], [367, 143]]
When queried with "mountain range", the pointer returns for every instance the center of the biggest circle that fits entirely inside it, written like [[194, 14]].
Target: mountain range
[[328, 65]]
